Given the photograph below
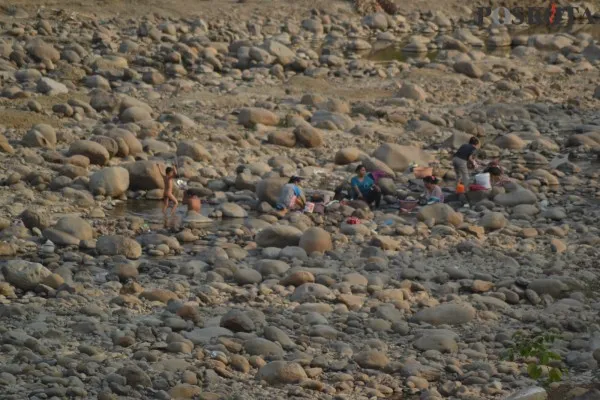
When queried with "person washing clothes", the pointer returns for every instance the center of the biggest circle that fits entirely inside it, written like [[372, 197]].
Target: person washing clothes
[[292, 196], [365, 188], [497, 176], [463, 159], [433, 192]]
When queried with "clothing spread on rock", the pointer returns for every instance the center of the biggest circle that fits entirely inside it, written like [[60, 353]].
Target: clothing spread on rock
[[465, 151], [363, 186], [376, 175], [289, 192]]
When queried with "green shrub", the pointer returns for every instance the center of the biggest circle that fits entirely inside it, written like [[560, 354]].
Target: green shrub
[[538, 347]]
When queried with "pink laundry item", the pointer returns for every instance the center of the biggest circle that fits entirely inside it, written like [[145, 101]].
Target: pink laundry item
[[353, 221]]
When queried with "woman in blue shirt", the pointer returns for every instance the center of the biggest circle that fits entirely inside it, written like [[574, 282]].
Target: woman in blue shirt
[[364, 187]]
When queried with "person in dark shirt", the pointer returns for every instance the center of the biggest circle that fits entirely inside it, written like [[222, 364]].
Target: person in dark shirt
[[463, 156]]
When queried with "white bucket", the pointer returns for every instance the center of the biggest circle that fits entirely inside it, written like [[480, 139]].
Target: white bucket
[[483, 180], [309, 207]]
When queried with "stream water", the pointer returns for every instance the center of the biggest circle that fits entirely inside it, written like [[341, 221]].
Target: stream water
[[151, 212]]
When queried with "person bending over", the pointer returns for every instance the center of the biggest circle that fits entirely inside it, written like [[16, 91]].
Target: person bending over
[[291, 196], [497, 176], [464, 157]]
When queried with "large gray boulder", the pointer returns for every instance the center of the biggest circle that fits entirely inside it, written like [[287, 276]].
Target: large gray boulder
[[92, 150], [399, 157], [279, 236], [146, 175], [447, 314], [40, 135], [112, 181], [118, 245], [23, 274], [269, 189]]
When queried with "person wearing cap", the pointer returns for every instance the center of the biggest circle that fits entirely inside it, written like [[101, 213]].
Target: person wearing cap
[[365, 188], [291, 197]]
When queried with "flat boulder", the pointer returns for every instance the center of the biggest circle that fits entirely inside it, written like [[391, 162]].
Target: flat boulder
[[283, 138], [51, 87], [118, 245], [553, 287], [372, 359], [309, 292], [193, 150], [516, 195], [69, 230], [347, 155], [252, 116], [510, 142], [135, 114], [468, 68], [438, 342], [399, 157], [447, 314], [412, 91], [23, 274], [283, 54], [232, 210], [281, 373], [42, 51], [441, 214], [331, 120]]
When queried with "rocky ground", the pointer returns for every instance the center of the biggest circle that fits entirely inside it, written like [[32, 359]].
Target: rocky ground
[[240, 96]]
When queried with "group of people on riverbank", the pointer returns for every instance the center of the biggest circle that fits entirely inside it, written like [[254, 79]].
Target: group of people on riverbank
[[363, 186]]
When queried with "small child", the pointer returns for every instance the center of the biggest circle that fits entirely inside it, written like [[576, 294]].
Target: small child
[[193, 201], [433, 193], [168, 197]]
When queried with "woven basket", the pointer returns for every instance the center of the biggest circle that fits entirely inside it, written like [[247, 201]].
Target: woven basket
[[422, 172]]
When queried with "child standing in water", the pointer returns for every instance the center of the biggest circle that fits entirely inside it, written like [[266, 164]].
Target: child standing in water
[[170, 175], [193, 201]]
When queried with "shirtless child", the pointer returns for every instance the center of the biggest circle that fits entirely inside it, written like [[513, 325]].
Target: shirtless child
[[193, 201], [170, 174]]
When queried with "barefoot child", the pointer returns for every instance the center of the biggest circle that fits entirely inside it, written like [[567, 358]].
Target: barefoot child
[[193, 201], [170, 174]]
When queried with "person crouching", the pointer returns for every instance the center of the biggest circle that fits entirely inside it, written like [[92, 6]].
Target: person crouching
[[292, 196]]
